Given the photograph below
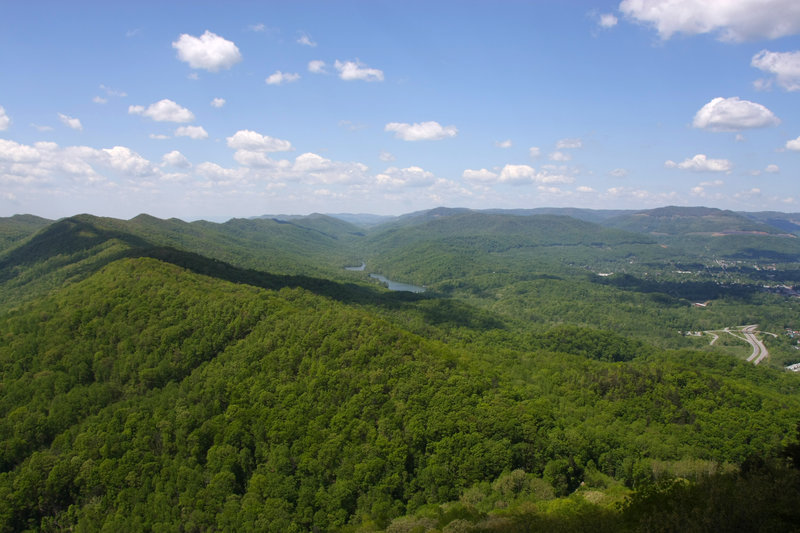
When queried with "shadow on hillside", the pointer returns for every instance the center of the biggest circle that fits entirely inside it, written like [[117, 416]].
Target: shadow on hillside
[[687, 290], [345, 292], [435, 310]]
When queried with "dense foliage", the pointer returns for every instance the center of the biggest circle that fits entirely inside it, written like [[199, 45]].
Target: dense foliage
[[144, 386]]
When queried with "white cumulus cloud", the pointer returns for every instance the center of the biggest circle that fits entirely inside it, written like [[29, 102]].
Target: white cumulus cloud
[[534, 152], [306, 40], [209, 51], [481, 175], [71, 122], [607, 20], [163, 111], [314, 168], [731, 20], [279, 77], [405, 177], [255, 142], [5, 122], [316, 66], [193, 132], [560, 156], [701, 163], [503, 144], [176, 159], [421, 131], [516, 175], [794, 144], [733, 114], [128, 162], [217, 102], [772, 169], [355, 70], [784, 66]]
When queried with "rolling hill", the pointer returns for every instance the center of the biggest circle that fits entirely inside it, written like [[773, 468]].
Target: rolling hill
[[163, 375]]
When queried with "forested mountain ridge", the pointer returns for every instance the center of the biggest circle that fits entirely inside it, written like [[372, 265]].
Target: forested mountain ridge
[[17, 227], [149, 395], [158, 374]]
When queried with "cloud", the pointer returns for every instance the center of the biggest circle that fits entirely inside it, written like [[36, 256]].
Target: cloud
[[534, 152], [618, 173], [128, 162], [71, 122], [516, 175], [176, 159], [209, 51], [18, 153], [733, 114], [785, 66], [46, 162], [193, 132], [355, 70], [113, 92], [42, 128], [700, 163], [503, 144], [215, 173], [314, 168], [159, 136], [731, 20], [255, 142], [560, 156], [257, 27], [316, 66], [163, 111], [569, 143], [481, 175], [279, 77], [772, 169], [99, 100], [305, 40], [217, 102], [607, 21], [405, 177], [794, 145], [5, 122], [424, 131], [386, 156]]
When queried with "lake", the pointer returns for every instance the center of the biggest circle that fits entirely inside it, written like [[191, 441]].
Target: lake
[[396, 286]]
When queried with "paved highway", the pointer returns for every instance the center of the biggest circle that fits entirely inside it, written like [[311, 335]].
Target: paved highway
[[759, 350]]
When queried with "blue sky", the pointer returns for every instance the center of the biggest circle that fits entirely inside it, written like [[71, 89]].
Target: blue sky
[[211, 110]]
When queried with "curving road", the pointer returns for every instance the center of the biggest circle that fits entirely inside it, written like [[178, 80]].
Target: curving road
[[759, 350], [749, 335]]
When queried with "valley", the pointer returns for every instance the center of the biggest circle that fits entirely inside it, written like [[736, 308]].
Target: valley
[[253, 376]]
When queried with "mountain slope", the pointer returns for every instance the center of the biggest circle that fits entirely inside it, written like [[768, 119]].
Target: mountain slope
[[17, 227], [149, 396]]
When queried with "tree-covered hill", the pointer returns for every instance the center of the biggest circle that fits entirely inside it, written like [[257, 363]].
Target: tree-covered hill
[[17, 227], [687, 220], [149, 397], [164, 375], [74, 247]]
